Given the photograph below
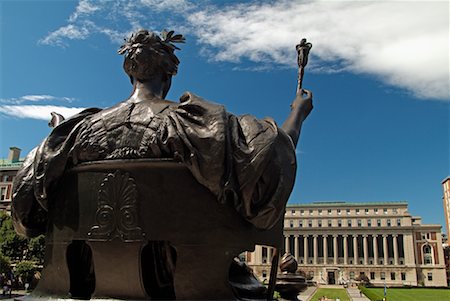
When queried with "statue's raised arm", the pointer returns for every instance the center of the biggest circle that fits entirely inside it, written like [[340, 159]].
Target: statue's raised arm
[[302, 104]]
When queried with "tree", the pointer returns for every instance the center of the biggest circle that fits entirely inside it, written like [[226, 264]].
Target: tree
[[5, 266], [25, 270], [363, 280], [36, 249], [12, 245]]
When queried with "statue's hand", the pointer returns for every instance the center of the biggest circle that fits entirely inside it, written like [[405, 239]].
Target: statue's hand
[[303, 103]]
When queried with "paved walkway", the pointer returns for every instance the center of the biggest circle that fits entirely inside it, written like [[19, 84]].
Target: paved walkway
[[15, 294], [354, 294], [307, 294]]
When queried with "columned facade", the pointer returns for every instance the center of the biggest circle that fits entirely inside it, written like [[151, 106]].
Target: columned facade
[[338, 242]]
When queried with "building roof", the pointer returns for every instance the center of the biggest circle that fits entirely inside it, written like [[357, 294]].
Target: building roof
[[6, 164], [446, 179], [348, 204]]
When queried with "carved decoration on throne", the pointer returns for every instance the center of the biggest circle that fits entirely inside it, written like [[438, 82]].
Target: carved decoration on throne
[[117, 212]]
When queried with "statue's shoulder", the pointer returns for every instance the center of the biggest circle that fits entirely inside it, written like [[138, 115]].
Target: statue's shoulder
[[189, 99]]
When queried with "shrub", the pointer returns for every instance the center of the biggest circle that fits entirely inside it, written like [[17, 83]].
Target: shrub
[[25, 270], [363, 280]]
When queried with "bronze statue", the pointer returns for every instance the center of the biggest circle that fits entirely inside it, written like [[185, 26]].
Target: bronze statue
[[245, 163]]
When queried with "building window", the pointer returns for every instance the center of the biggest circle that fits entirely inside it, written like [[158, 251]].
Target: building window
[[395, 211], [300, 223], [369, 223], [403, 276], [399, 222], [310, 223], [359, 223], [372, 275], [352, 275], [264, 274], [366, 211], [388, 222], [329, 211], [3, 193], [430, 276], [375, 210], [392, 275], [302, 212], [319, 223], [349, 223], [310, 212], [378, 222], [339, 223], [385, 210], [427, 255], [428, 236], [330, 223], [293, 212], [291, 224], [311, 274], [320, 211], [339, 211], [348, 211], [357, 211], [382, 276]]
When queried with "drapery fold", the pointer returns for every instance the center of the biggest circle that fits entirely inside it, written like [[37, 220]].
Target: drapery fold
[[247, 163]]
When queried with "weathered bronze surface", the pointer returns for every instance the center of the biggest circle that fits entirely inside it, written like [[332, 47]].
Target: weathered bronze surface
[[152, 198], [289, 283]]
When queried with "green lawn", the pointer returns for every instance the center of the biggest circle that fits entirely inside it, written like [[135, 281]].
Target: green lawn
[[408, 294], [332, 293]]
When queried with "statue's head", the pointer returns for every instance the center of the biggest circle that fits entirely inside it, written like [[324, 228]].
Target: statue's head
[[148, 55]]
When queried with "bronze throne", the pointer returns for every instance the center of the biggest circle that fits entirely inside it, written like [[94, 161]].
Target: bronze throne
[[110, 213]]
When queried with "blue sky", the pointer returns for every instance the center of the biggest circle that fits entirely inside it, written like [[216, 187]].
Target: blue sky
[[379, 130]]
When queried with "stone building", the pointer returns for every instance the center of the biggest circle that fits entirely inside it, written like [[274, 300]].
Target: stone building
[[8, 170], [336, 242], [446, 201]]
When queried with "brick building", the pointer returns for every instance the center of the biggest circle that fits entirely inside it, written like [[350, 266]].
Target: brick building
[[8, 170]]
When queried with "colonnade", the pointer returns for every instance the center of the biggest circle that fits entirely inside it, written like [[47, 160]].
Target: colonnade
[[362, 249]]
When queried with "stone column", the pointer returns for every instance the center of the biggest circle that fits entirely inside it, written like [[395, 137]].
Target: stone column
[[335, 248], [315, 248], [286, 245], [385, 249], [375, 248], [366, 249], [394, 239], [258, 254], [325, 249], [345, 249], [355, 249], [305, 248], [296, 247], [269, 254], [408, 246], [410, 255]]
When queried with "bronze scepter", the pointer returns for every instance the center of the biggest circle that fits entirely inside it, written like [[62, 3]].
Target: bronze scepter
[[303, 51]]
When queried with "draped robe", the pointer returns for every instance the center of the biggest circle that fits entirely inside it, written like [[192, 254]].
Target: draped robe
[[245, 162]]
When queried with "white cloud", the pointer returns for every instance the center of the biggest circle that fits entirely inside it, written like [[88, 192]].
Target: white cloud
[[71, 32], [402, 43], [35, 98], [172, 5], [38, 112], [405, 44], [84, 7]]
